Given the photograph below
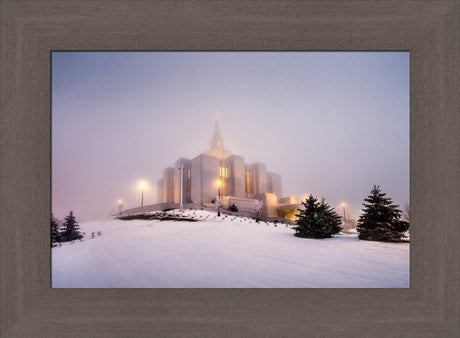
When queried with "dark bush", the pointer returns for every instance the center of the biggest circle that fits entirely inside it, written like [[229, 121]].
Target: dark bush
[[233, 207]]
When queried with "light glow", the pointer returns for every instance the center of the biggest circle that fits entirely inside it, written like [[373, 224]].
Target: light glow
[[223, 172]]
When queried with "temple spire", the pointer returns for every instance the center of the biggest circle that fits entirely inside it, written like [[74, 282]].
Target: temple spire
[[217, 143]]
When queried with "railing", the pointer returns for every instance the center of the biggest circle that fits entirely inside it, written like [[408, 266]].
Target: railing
[[192, 206]]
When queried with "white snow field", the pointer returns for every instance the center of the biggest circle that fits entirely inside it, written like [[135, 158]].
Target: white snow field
[[222, 253]]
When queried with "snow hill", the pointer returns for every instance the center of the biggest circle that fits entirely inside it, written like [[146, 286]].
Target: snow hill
[[222, 252]]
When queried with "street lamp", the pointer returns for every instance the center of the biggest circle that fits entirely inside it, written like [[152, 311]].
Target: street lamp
[[218, 197], [344, 218], [120, 206], [142, 186]]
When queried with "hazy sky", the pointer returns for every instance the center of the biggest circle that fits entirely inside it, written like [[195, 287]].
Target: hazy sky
[[330, 123]]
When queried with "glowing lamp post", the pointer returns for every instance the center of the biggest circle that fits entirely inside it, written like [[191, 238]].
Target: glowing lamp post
[[218, 197], [344, 218], [142, 186], [120, 206]]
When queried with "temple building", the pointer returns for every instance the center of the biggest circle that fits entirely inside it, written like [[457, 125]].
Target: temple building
[[217, 172]]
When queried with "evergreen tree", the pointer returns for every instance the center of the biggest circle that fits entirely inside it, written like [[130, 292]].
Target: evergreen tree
[[330, 219], [317, 219], [54, 231], [381, 219], [233, 207], [71, 230]]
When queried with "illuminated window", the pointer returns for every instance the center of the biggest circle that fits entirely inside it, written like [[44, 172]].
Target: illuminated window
[[248, 181], [223, 172]]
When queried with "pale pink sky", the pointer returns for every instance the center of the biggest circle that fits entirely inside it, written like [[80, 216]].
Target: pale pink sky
[[330, 123]]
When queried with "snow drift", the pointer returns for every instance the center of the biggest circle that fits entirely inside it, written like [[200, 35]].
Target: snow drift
[[224, 252]]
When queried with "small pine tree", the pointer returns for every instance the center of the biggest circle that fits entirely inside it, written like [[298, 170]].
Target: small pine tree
[[381, 219], [317, 219], [331, 219], [233, 207], [71, 230], [54, 231]]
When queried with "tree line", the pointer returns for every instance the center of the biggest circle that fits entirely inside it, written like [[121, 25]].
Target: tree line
[[381, 220], [67, 232]]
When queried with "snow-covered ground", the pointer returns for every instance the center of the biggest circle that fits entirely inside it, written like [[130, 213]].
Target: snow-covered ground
[[223, 253]]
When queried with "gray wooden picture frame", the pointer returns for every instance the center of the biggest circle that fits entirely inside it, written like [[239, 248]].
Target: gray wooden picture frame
[[30, 30]]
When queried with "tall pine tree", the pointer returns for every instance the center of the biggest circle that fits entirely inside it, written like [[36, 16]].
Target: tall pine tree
[[71, 230], [317, 219], [54, 231], [381, 219]]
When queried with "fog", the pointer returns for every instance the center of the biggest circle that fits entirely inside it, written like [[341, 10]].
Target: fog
[[331, 124]]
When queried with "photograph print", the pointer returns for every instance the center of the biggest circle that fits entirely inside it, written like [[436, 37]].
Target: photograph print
[[230, 169]]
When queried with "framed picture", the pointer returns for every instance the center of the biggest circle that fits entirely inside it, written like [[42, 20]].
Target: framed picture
[[428, 31]]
